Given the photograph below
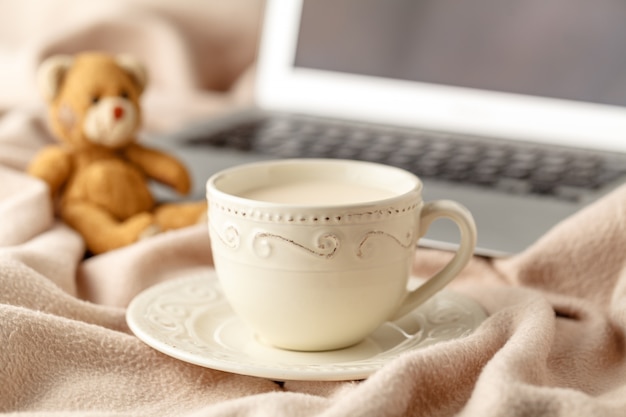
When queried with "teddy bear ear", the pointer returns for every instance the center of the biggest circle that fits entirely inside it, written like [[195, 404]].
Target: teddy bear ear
[[50, 74], [134, 67]]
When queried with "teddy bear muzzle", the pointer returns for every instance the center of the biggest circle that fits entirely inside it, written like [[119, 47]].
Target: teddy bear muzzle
[[111, 122]]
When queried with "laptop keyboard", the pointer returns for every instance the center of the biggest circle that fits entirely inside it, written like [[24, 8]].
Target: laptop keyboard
[[517, 168]]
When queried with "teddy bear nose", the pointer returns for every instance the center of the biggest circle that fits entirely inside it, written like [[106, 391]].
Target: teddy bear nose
[[118, 112]]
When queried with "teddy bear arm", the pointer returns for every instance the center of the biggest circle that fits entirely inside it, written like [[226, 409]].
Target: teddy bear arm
[[161, 167], [52, 165]]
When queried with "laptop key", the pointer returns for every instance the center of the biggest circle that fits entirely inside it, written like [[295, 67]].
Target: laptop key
[[485, 176], [517, 171]]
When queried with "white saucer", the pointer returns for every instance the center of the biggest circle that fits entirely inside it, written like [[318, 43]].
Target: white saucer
[[189, 319]]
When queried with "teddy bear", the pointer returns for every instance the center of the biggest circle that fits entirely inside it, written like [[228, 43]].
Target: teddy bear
[[99, 174]]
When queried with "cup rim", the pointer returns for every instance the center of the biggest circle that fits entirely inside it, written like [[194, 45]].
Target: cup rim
[[410, 188]]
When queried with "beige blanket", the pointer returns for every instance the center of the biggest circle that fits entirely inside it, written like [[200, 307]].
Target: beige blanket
[[553, 344]]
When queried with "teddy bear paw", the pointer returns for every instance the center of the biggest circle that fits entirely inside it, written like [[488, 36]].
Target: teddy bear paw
[[203, 218], [151, 230]]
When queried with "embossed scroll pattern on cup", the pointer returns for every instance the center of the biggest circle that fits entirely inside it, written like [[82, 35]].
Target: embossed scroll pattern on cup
[[327, 243]]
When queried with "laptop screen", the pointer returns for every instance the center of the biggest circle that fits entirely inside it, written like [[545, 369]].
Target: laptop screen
[[547, 71], [565, 49]]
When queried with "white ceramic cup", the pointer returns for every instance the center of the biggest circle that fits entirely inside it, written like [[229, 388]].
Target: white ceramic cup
[[315, 254]]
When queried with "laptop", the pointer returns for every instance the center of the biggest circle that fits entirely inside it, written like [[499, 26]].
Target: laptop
[[515, 108]]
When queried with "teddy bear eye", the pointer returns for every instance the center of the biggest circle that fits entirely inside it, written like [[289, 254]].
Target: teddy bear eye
[[95, 99], [124, 94]]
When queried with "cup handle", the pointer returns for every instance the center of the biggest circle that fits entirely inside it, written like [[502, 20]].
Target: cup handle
[[465, 222]]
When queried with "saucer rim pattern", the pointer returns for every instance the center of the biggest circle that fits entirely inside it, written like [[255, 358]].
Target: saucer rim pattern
[[163, 316]]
